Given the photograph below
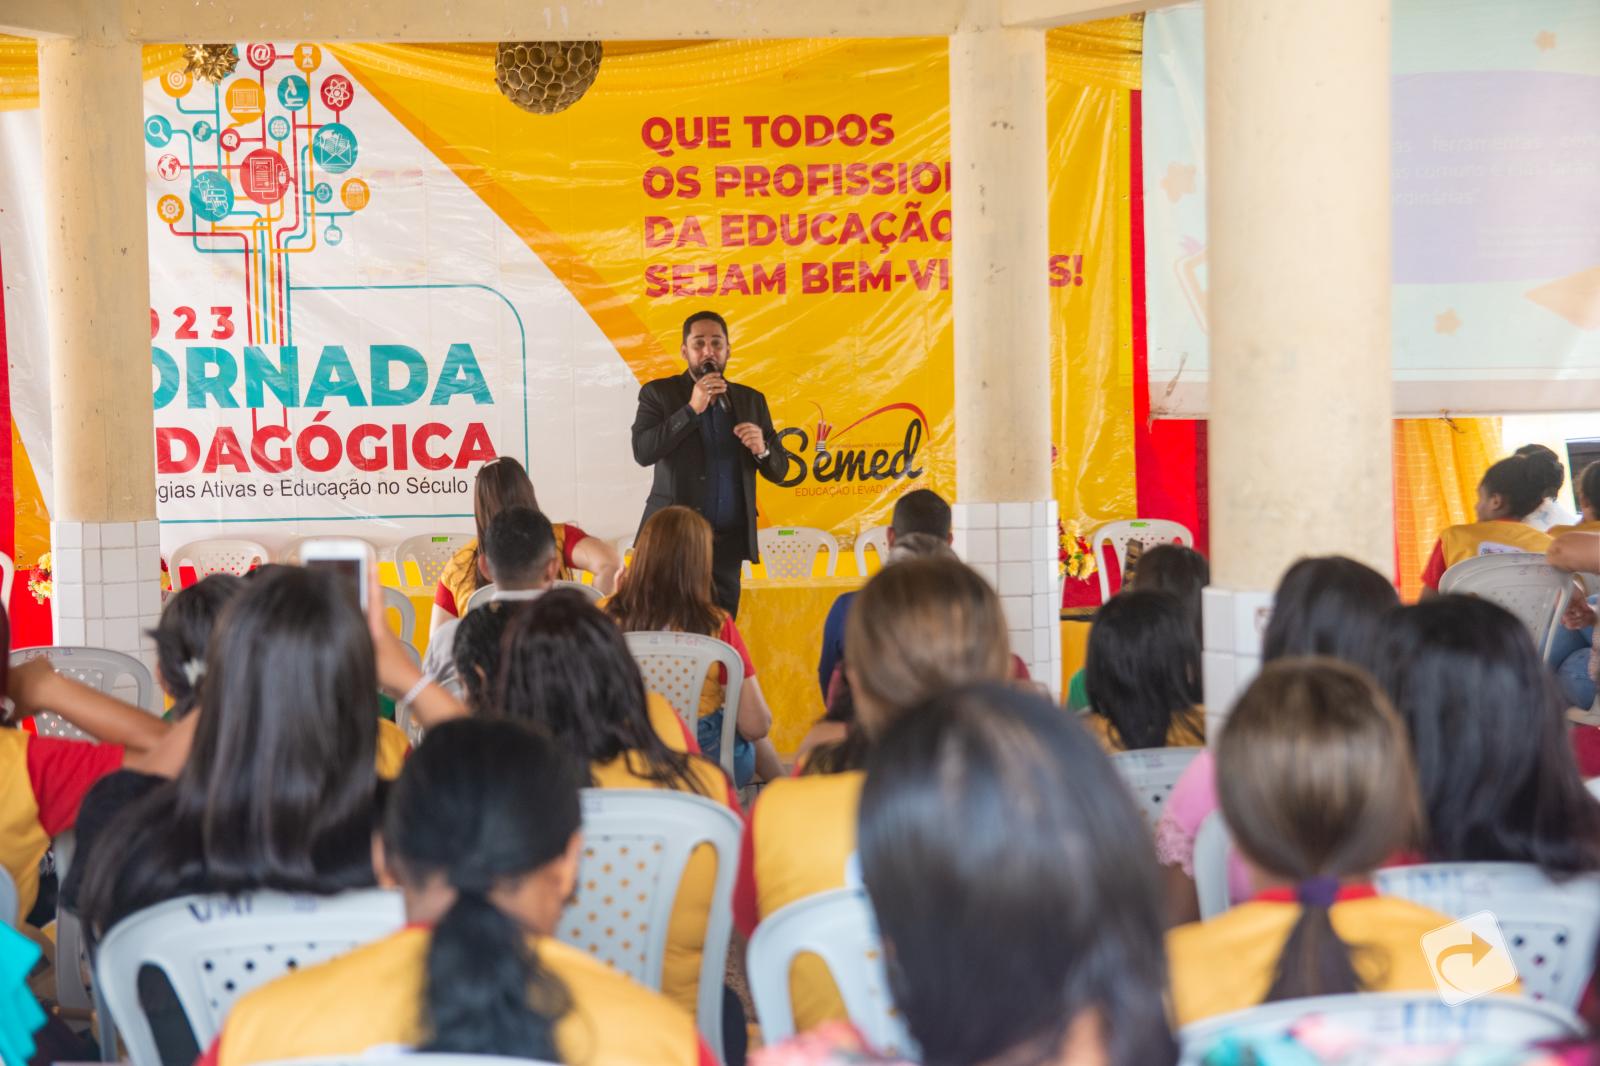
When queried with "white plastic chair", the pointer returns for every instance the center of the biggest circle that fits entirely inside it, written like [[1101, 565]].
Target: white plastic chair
[[426, 555], [636, 845], [109, 671], [291, 551], [839, 928], [675, 665], [1594, 787], [1392, 1019], [1212, 846], [400, 603], [1146, 531], [217, 556], [594, 594], [790, 552], [214, 949], [1521, 582], [876, 538], [8, 574], [1551, 927], [479, 598], [1151, 772]]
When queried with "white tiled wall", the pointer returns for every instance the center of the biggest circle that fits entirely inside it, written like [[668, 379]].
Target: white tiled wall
[[107, 585], [1234, 623], [1014, 546]]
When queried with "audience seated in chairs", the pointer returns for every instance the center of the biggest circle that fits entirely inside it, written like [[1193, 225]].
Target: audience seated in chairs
[[668, 588], [520, 556], [1510, 490], [569, 673], [1143, 674], [919, 627], [503, 483], [482, 836], [1328, 606], [1318, 790]]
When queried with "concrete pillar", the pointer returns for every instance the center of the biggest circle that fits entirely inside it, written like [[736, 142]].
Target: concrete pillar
[[1297, 147], [1005, 512], [105, 540]]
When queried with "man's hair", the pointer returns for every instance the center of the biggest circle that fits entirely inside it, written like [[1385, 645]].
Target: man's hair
[[921, 511], [704, 316], [519, 544]]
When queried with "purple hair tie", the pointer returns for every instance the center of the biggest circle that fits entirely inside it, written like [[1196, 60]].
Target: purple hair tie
[[1317, 891]]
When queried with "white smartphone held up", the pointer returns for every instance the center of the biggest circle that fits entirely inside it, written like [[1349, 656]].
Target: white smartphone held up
[[345, 560]]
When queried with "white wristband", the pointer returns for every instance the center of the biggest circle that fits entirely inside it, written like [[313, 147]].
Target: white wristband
[[416, 690]]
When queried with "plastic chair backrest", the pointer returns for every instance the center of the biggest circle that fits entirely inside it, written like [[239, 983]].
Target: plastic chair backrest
[[675, 665], [1151, 772], [109, 671], [839, 928], [395, 600], [1521, 582], [636, 846], [8, 574], [213, 949], [484, 594], [425, 555], [594, 594], [215, 556], [876, 538], [1212, 846], [1551, 927], [8, 900], [1594, 787], [790, 552], [1147, 531], [1392, 1019]]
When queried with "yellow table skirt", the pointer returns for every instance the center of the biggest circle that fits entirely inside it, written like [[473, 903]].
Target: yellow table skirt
[[781, 622]]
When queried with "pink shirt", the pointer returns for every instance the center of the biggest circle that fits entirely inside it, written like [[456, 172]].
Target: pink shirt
[[1193, 798]]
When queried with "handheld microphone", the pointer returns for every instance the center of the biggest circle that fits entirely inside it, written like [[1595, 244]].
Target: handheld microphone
[[723, 403]]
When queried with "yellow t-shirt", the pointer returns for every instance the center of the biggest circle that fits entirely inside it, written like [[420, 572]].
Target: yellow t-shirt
[[1581, 527], [691, 912], [665, 721], [802, 834], [393, 747], [1187, 730], [371, 997], [1227, 963], [1459, 543]]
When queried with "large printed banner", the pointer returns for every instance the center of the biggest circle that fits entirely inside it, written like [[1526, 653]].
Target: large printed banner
[[370, 272], [1496, 189]]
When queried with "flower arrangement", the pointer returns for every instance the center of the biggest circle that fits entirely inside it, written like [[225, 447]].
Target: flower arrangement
[[1075, 558], [42, 583]]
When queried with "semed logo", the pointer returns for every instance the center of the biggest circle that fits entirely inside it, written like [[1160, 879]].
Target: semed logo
[[860, 452]]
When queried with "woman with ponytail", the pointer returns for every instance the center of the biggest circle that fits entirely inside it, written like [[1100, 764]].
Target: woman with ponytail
[[483, 837], [1318, 790]]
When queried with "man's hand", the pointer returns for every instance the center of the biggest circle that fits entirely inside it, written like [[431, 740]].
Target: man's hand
[[706, 390], [751, 437]]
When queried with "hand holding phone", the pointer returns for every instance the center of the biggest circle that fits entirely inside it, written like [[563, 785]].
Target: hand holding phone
[[345, 560]]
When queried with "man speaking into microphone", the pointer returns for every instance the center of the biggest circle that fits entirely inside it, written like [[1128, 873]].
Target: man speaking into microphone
[[706, 438]]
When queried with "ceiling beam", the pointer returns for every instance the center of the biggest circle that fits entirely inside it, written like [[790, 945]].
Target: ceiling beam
[[1043, 14], [42, 18], [420, 21]]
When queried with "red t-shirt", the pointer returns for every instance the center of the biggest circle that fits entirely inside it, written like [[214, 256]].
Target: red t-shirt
[[61, 773]]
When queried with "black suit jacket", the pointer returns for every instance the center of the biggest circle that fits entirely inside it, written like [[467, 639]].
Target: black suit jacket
[[666, 435]]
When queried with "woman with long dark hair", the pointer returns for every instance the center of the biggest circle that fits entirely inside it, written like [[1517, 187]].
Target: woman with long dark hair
[[1498, 778], [1318, 792], [503, 483], [1057, 956], [482, 836], [668, 588], [567, 671], [1143, 674]]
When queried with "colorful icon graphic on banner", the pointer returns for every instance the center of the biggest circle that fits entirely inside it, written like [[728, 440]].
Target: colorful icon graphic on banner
[[278, 128], [157, 131], [293, 93], [176, 83], [243, 100], [169, 167], [229, 139], [169, 209], [264, 176], [323, 192], [211, 196], [333, 234], [260, 56], [354, 194], [307, 57], [337, 92], [203, 131], [334, 148]]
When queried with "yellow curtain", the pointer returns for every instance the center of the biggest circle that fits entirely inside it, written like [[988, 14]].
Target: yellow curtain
[[1437, 465]]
